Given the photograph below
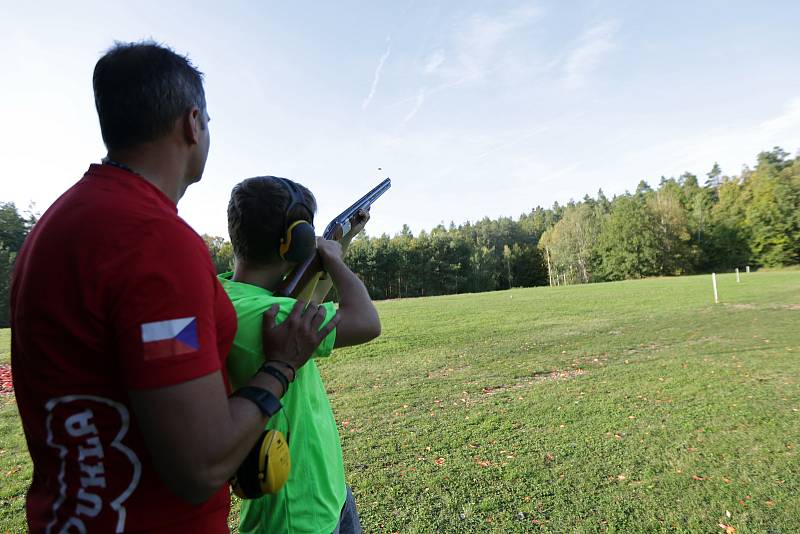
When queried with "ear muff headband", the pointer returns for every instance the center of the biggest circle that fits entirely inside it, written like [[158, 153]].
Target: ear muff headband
[[299, 239]]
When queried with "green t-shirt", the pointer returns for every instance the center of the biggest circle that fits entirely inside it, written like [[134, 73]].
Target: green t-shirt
[[312, 499]]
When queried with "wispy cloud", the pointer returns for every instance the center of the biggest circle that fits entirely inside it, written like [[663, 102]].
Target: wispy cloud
[[787, 120], [433, 61], [377, 77], [474, 47], [732, 148], [478, 41], [417, 105], [594, 45]]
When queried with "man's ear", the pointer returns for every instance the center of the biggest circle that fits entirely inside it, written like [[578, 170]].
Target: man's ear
[[193, 123]]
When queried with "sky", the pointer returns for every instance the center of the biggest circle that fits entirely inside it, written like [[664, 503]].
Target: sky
[[473, 109]]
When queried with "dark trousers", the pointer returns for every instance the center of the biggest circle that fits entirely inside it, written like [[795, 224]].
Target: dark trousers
[[348, 521]]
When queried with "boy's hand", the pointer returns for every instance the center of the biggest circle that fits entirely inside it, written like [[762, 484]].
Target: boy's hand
[[295, 339], [359, 222], [329, 251]]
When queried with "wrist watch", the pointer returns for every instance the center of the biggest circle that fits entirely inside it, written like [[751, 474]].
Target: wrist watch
[[266, 401]]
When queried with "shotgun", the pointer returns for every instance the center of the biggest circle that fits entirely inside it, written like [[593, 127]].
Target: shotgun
[[303, 278]]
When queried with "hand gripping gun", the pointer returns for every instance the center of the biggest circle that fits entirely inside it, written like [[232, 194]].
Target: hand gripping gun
[[302, 280]]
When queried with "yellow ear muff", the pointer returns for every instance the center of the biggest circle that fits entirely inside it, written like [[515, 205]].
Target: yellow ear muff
[[286, 242], [265, 469], [300, 243]]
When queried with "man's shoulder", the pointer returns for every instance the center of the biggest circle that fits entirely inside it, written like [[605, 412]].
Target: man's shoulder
[[104, 204]]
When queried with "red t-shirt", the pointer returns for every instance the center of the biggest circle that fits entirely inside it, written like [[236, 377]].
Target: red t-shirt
[[112, 291]]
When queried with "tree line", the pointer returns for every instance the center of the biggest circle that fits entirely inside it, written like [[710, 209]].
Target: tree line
[[682, 226]]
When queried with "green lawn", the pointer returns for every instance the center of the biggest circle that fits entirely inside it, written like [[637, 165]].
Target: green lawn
[[625, 407], [5, 346]]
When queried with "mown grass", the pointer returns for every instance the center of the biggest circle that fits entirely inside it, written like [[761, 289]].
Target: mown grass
[[5, 346], [625, 407], [15, 467]]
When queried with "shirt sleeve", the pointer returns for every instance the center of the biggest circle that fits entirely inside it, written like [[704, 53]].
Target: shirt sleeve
[[163, 309], [326, 347]]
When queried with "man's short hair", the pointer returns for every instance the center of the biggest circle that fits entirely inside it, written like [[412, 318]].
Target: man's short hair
[[141, 89], [257, 217]]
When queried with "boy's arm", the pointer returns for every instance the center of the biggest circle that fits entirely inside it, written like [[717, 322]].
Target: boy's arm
[[325, 283], [358, 318]]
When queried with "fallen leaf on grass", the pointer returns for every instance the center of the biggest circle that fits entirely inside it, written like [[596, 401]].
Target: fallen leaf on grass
[[549, 457], [697, 477], [439, 461], [770, 503], [727, 528], [620, 477]]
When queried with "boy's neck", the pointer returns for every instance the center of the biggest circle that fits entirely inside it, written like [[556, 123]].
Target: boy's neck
[[265, 276]]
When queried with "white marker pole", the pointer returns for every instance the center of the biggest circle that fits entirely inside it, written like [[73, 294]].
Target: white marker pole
[[737, 275], [714, 281], [748, 269]]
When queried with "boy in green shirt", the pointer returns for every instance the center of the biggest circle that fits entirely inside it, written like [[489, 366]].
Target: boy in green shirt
[[262, 215]]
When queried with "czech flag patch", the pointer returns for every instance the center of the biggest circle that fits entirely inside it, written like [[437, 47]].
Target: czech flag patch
[[169, 338]]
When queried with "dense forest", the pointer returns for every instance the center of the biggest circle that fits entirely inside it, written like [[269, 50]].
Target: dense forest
[[687, 224]]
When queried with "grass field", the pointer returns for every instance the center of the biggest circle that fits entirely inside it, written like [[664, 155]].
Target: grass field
[[625, 407]]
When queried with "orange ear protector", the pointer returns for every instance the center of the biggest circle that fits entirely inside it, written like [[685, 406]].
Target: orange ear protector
[[299, 239]]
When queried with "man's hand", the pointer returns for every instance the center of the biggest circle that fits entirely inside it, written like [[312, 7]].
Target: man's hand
[[293, 341]]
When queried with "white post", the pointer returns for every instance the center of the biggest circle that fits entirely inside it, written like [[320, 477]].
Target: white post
[[748, 269], [714, 281], [737, 275]]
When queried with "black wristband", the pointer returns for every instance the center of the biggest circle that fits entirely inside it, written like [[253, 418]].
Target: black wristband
[[290, 366], [277, 374], [266, 401], [287, 364]]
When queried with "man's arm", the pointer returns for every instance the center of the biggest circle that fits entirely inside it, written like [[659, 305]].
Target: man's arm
[[196, 434], [358, 318]]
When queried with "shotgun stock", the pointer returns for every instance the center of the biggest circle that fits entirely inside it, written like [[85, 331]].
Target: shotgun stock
[[302, 280]]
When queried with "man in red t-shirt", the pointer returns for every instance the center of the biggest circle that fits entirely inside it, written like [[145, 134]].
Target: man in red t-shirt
[[120, 329]]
